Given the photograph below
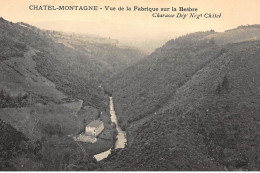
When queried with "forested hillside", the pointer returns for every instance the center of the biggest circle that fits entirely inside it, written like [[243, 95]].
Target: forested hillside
[[192, 105], [150, 84], [49, 91], [107, 52], [67, 67]]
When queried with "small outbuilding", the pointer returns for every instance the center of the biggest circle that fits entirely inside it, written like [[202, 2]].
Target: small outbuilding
[[85, 138]]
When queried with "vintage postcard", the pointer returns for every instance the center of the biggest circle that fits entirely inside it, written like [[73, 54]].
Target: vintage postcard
[[129, 85]]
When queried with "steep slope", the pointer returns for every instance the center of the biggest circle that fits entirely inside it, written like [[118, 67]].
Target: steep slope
[[33, 118], [107, 52], [77, 73], [10, 141], [48, 93], [239, 34], [52, 60], [207, 116], [149, 84]]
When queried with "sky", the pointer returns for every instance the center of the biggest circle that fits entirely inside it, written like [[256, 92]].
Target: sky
[[132, 25]]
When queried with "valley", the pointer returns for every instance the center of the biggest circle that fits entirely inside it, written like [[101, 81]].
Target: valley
[[50, 89], [120, 138], [191, 105], [194, 105]]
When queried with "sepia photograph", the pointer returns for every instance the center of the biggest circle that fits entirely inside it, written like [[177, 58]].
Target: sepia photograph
[[129, 85]]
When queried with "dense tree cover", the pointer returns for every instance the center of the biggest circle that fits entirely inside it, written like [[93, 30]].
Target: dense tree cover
[[7, 101], [44, 121], [17, 152], [165, 70], [77, 69], [245, 27], [10, 48], [191, 105], [15, 144]]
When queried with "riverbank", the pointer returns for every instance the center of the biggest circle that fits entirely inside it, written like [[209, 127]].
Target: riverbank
[[120, 138], [105, 140]]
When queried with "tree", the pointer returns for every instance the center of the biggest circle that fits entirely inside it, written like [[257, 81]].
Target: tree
[[218, 90], [225, 83]]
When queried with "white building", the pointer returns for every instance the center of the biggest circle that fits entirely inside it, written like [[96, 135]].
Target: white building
[[94, 128]]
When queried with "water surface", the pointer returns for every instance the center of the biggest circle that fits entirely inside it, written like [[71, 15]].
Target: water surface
[[121, 137]]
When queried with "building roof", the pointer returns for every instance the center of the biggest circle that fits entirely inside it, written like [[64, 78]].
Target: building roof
[[95, 123]]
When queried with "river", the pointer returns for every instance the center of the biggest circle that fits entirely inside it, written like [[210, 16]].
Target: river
[[121, 137]]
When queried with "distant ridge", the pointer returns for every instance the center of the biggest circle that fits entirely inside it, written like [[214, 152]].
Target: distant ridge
[[193, 104], [46, 79]]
